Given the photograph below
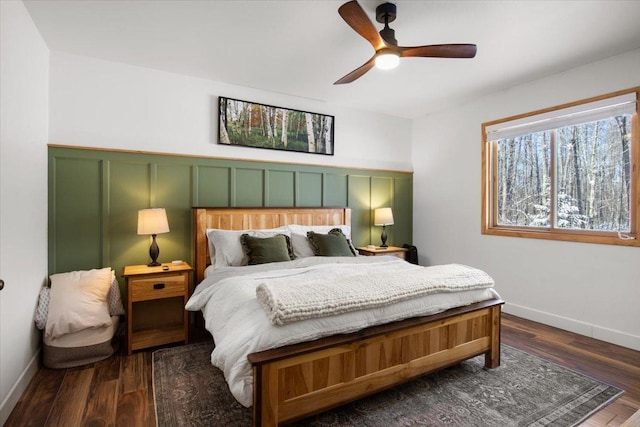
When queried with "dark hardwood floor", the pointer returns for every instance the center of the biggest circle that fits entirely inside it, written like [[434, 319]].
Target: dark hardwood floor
[[118, 391]]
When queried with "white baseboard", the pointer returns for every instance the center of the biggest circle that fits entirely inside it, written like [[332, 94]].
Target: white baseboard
[[18, 388], [594, 331]]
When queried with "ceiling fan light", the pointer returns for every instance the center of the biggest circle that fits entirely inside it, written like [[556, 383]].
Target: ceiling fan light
[[387, 60]]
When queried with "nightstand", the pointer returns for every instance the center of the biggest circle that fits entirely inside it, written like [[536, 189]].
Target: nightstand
[[378, 251], [155, 305]]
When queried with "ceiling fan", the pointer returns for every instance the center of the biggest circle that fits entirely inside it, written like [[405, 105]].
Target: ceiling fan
[[387, 52]]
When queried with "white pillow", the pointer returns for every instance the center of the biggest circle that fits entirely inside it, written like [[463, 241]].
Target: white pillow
[[78, 301], [225, 247], [301, 246], [114, 299]]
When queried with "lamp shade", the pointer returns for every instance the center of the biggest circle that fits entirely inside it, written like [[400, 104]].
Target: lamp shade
[[152, 221], [383, 216]]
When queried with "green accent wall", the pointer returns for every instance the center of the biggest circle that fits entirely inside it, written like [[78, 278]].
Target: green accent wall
[[95, 195]]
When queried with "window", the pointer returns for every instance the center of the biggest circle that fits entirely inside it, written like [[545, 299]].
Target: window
[[565, 173]]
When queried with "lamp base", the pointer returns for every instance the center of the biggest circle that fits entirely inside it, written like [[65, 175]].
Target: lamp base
[[383, 237], [154, 251]]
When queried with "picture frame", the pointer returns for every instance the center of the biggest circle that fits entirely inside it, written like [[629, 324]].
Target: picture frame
[[251, 124]]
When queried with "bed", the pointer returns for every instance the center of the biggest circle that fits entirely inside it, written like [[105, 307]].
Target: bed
[[294, 381]]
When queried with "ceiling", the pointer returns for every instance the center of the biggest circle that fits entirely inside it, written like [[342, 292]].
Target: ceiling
[[300, 48]]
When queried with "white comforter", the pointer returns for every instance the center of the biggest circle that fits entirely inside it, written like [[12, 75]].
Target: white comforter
[[240, 325]]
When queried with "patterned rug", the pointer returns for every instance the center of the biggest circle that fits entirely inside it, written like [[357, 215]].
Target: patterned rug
[[524, 391]]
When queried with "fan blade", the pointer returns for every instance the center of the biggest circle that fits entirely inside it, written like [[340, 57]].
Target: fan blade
[[358, 72], [440, 51], [355, 16]]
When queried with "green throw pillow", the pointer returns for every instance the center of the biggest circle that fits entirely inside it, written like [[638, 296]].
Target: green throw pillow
[[334, 243], [262, 250]]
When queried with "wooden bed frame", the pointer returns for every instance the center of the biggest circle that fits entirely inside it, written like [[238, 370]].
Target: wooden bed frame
[[293, 382]]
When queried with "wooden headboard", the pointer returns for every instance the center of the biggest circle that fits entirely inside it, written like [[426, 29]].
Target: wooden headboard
[[255, 218]]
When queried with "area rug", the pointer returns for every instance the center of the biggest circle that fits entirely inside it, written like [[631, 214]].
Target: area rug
[[524, 391]]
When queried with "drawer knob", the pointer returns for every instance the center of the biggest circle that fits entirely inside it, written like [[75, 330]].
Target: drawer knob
[[158, 286]]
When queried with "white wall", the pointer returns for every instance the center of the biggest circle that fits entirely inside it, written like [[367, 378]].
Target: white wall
[[24, 78], [112, 105], [586, 288]]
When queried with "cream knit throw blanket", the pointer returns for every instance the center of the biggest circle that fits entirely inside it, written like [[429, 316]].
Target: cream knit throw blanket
[[327, 290]]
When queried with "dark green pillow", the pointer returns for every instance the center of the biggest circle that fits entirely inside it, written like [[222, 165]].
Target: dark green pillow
[[334, 243], [262, 250]]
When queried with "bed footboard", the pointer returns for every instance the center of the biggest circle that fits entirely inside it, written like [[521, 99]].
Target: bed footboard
[[296, 381]]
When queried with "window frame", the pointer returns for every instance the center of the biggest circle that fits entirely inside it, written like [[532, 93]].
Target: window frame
[[490, 186]]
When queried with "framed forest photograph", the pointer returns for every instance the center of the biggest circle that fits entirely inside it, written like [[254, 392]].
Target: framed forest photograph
[[250, 124]]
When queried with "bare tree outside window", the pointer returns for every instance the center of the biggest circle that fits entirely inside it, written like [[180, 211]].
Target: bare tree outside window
[[591, 172]]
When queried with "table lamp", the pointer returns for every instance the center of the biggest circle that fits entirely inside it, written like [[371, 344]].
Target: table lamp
[[153, 221], [383, 217]]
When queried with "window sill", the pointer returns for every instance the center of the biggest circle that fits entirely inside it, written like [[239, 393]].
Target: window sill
[[578, 236]]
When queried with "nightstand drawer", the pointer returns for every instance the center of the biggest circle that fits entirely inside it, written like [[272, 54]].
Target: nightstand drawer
[[158, 286]]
